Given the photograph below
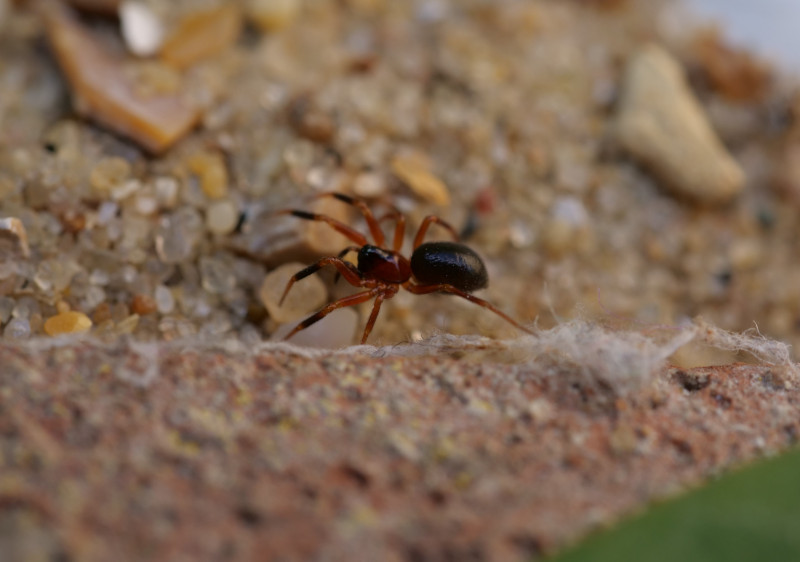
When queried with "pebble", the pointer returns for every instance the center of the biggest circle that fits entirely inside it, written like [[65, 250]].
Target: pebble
[[165, 302], [306, 296], [179, 235], [141, 28], [217, 276], [222, 217], [271, 15], [108, 173], [12, 227], [69, 322], [166, 189], [17, 329], [143, 305], [662, 125], [413, 169], [202, 34], [210, 169], [369, 184]]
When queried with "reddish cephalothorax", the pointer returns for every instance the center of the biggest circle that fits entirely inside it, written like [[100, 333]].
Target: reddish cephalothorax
[[448, 267]]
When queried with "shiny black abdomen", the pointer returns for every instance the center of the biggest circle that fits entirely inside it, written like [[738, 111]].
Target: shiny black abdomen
[[451, 263]]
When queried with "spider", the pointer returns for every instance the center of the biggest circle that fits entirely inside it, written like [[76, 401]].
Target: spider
[[448, 267]]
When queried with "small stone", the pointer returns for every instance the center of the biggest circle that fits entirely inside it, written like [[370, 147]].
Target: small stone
[[210, 169], [369, 184], [271, 15], [125, 189], [202, 34], [127, 325], [108, 173], [413, 169], [222, 216], [17, 329], [12, 228], [102, 313], [143, 305], [141, 28], [67, 323], [179, 235], [165, 302], [217, 276], [107, 212], [568, 228], [310, 121], [662, 125], [306, 296], [166, 189], [146, 204]]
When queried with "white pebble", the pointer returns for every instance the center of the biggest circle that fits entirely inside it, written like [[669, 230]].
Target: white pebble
[[570, 210], [222, 216], [107, 211], [141, 28], [369, 184], [146, 205], [165, 302], [125, 189], [166, 191]]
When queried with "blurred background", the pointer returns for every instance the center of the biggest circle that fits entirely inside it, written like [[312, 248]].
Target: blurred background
[[767, 26]]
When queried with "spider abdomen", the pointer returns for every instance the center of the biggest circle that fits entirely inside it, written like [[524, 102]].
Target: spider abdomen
[[450, 263]]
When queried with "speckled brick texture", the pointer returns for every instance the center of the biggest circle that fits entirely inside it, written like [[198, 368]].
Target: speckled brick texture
[[145, 453]]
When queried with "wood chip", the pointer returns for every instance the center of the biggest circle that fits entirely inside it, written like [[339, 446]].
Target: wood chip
[[101, 90]]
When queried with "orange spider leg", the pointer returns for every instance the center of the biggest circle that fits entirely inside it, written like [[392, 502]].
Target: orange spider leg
[[346, 269], [446, 288], [399, 227], [351, 233], [426, 223], [351, 300], [374, 227], [341, 255], [388, 292]]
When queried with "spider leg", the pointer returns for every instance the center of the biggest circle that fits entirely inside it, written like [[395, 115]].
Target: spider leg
[[446, 288], [426, 223], [387, 293], [351, 300], [374, 227], [351, 233], [342, 254], [399, 228], [347, 270]]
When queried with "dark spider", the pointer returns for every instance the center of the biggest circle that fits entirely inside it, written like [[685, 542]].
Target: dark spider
[[447, 267]]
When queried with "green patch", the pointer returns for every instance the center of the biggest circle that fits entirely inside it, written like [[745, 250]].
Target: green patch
[[752, 514]]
